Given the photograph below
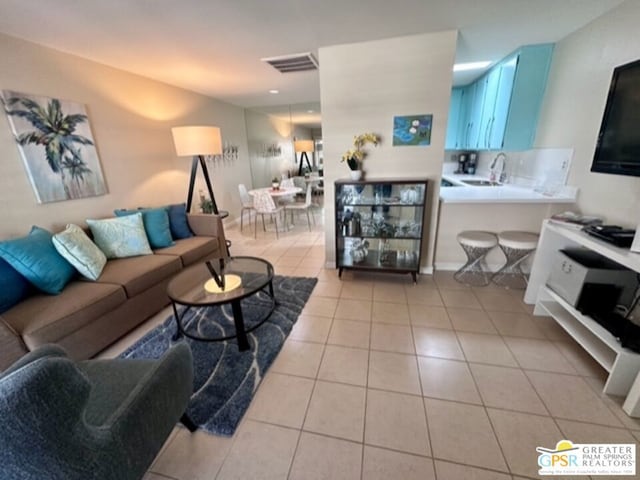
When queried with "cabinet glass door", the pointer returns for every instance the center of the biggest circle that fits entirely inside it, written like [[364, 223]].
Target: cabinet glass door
[[379, 225]]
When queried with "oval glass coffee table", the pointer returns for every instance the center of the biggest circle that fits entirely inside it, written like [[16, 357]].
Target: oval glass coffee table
[[196, 286]]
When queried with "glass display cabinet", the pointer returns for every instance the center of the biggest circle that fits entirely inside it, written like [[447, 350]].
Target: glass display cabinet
[[379, 225]]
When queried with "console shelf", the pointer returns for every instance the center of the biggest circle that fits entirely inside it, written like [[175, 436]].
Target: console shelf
[[622, 364], [595, 339]]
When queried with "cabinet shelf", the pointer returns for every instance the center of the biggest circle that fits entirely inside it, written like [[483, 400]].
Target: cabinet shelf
[[371, 262], [383, 204], [354, 199], [380, 238]]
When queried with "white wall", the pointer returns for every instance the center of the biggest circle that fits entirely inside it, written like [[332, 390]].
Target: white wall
[[131, 119], [574, 104], [263, 130], [362, 87]]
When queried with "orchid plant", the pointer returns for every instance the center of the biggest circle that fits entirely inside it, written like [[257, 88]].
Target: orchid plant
[[355, 156]]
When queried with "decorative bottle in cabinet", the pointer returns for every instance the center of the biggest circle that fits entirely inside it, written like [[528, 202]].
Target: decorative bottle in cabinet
[[379, 225]]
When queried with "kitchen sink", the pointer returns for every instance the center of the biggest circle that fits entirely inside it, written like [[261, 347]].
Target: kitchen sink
[[448, 183], [481, 183]]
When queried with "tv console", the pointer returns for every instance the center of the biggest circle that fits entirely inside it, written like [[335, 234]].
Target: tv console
[[622, 364]]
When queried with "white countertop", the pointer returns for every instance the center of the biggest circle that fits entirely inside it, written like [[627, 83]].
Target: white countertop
[[503, 193]]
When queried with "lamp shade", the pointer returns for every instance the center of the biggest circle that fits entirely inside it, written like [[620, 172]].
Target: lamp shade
[[197, 140], [303, 146]]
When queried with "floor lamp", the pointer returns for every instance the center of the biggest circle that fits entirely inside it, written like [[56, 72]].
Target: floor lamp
[[302, 147], [196, 142]]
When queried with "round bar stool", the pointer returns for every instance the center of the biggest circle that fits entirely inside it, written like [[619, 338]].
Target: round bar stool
[[516, 246], [476, 245]]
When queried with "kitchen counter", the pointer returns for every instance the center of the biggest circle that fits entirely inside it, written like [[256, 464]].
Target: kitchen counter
[[460, 192]]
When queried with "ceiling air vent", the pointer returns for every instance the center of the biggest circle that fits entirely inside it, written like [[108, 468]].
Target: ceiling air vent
[[298, 62]]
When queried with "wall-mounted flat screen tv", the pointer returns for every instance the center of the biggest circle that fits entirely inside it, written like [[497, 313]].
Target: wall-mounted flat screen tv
[[618, 147]]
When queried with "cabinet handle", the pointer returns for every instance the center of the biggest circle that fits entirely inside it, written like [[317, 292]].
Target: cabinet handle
[[489, 130], [493, 122], [486, 134]]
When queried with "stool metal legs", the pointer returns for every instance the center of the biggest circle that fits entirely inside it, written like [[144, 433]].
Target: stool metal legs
[[511, 275], [472, 272]]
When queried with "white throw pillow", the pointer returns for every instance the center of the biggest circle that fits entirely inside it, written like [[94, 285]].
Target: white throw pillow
[[77, 248]]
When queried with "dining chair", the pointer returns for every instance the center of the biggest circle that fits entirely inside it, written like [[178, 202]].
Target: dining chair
[[263, 205], [247, 203], [287, 183], [302, 206], [286, 199], [299, 182]]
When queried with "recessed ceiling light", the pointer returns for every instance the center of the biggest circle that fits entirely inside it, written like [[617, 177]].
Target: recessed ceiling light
[[461, 67], [274, 91], [309, 111]]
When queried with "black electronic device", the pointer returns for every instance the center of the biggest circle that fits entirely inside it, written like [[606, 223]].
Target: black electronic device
[[598, 301], [598, 297], [618, 146], [620, 237]]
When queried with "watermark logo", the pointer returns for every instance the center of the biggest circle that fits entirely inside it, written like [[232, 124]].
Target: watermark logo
[[570, 458]]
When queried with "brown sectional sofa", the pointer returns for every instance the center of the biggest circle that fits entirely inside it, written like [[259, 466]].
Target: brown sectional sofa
[[89, 316]]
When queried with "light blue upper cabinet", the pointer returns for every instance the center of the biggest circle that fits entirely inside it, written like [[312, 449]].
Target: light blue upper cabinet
[[492, 84], [504, 90], [500, 110], [451, 142], [529, 85], [458, 122], [475, 114], [464, 123]]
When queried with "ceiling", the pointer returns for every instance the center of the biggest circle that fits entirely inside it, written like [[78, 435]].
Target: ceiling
[[214, 46]]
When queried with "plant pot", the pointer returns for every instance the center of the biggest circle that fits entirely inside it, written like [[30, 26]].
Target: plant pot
[[356, 174]]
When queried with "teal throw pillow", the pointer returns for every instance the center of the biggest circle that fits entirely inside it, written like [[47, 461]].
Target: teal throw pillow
[[77, 248], [37, 260], [120, 237], [13, 286], [178, 222], [156, 225]]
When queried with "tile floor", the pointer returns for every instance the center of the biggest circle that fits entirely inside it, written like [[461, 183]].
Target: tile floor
[[381, 378]]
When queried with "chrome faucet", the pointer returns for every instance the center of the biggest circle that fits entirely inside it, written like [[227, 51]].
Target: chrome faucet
[[503, 174]]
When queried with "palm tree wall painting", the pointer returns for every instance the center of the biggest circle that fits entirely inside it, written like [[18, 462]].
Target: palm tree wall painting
[[56, 144]]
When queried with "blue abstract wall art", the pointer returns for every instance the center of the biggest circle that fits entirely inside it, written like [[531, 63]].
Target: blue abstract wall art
[[412, 130]]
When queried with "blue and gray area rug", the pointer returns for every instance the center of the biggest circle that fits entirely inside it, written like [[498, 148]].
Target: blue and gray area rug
[[225, 379]]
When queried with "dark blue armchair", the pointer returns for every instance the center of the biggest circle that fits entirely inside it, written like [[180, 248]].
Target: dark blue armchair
[[95, 419]]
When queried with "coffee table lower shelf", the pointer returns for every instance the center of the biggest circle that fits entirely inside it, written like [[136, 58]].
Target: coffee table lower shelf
[[238, 319]]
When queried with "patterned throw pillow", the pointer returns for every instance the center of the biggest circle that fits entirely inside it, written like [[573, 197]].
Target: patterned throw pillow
[[77, 248], [156, 225], [37, 260], [120, 237]]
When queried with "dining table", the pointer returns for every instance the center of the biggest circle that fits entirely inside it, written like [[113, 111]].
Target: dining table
[[277, 193]]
